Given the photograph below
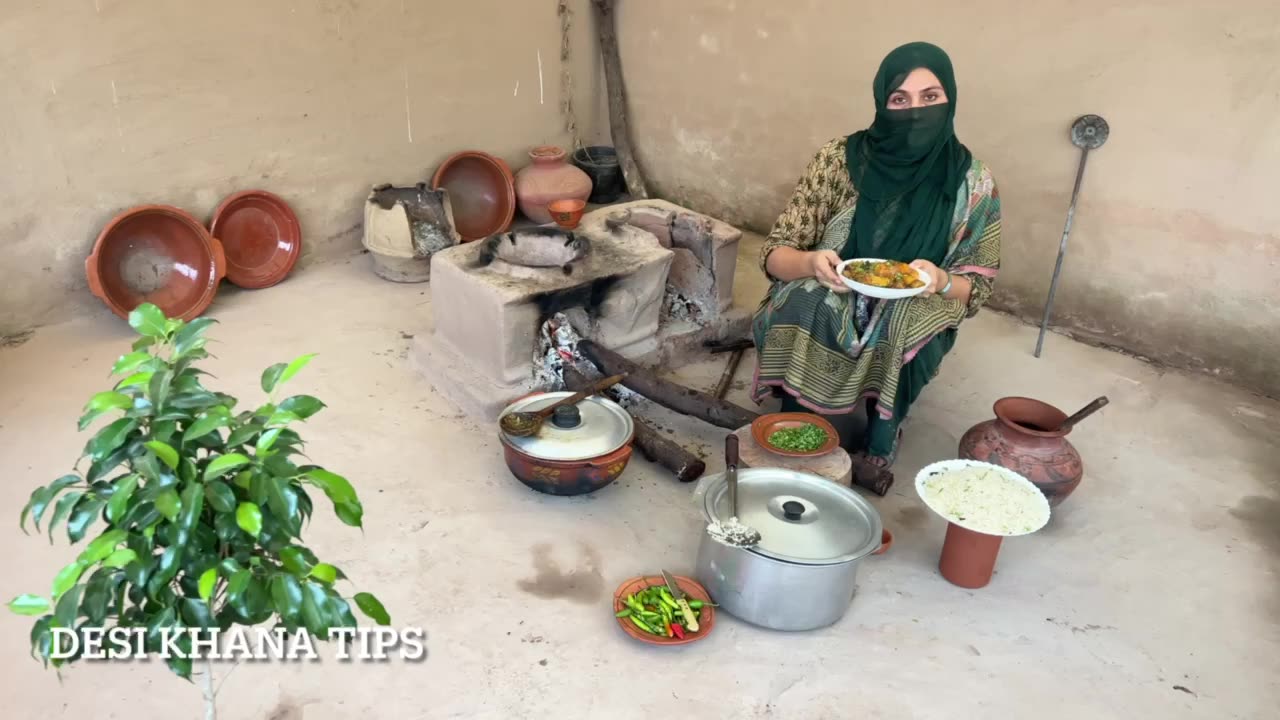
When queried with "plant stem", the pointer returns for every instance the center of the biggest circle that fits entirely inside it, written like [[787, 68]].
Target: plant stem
[[210, 706]]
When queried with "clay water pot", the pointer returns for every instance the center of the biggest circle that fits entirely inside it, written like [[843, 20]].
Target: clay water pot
[[548, 179], [1018, 439]]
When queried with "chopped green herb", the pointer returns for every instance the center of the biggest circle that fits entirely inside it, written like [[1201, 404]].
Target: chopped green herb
[[805, 438]]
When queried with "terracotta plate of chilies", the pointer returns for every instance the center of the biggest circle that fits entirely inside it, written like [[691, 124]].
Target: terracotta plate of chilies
[[692, 590], [261, 237], [763, 427]]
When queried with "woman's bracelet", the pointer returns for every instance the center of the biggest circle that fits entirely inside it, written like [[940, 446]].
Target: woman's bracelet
[[946, 288]]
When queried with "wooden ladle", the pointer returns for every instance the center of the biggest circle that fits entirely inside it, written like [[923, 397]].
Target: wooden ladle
[[527, 424], [1083, 413]]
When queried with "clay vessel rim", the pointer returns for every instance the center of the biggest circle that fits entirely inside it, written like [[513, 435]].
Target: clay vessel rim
[[1045, 410], [547, 153]]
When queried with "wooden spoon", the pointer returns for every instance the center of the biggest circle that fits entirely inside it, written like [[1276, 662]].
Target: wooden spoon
[[1084, 412], [527, 424]]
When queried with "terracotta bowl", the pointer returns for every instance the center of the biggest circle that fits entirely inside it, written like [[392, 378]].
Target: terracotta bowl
[[766, 425], [560, 477], [482, 193], [691, 588], [886, 542], [261, 237], [157, 254], [567, 213]]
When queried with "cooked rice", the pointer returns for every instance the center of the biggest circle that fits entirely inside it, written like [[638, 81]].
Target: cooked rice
[[986, 500]]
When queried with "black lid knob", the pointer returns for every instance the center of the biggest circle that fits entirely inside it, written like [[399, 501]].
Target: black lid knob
[[792, 510], [566, 417]]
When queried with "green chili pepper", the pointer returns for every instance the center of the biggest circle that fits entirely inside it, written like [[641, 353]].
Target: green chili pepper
[[638, 623], [695, 604], [625, 612]]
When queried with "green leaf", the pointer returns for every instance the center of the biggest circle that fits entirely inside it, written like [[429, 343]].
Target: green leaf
[[211, 420], [119, 502], [303, 406], [29, 605], [165, 452], [136, 379], [371, 607], [130, 363], [243, 434], [224, 464], [110, 438], [236, 585], [68, 606], [120, 558], [286, 595], [295, 561], [249, 518], [271, 377], [194, 400], [350, 513], [60, 511], [191, 337], [148, 321], [283, 501], [294, 367], [102, 546], [196, 613], [101, 403], [66, 578], [208, 579], [221, 497], [169, 504], [40, 499], [158, 388], [165, 569], [267, 439], [334, 486], [325, 573], [85, 512], [281, 418], [192, 504], [315, 609]]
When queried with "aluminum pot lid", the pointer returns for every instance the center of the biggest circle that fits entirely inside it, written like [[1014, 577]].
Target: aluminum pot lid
[[594, 427], [802, 518]]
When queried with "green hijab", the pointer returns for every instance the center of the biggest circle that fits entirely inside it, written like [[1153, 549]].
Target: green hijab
[[907, 167]]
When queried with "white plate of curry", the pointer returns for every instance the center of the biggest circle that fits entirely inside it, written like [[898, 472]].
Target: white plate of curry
[[884, 279]]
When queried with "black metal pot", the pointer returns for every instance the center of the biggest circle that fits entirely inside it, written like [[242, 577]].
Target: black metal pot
[[600, 163]]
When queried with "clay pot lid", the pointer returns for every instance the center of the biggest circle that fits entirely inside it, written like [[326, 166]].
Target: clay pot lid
[[158, 254], [591, 429], [482, 193], [261, 236], [547, 154]]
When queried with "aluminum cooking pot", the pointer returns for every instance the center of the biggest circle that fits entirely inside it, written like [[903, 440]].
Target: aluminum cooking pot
[[802, 573]]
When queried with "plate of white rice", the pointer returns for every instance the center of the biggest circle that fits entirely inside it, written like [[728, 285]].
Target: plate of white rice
[[983, 497]]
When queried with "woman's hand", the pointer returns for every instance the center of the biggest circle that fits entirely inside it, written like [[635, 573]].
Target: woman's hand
[[822, 264], [937, 276]]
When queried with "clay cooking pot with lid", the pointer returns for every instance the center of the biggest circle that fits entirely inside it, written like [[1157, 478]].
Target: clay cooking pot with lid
[[579, 449], [813, 535]]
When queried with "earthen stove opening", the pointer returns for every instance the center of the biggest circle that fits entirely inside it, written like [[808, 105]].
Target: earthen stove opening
[[649, 280]]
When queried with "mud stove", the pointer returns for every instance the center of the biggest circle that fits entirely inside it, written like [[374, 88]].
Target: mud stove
[[648, 279]]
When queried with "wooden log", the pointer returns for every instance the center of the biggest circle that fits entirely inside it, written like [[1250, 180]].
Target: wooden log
[[655, 448], [722, 387], [666, 393], [618, 126]]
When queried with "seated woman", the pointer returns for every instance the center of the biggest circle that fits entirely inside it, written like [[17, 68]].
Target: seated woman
[[904, 189]]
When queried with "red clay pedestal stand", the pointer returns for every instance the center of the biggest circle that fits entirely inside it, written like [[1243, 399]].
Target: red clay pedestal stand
[[968, 557]]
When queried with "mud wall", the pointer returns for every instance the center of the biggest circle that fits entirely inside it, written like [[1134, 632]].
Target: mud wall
[[1175, 252]]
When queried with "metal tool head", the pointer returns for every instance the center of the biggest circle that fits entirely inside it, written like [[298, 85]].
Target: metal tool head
[[1089, 131]]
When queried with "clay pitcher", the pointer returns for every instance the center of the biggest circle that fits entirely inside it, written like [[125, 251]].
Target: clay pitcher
[[1017, 439], [548, 179]]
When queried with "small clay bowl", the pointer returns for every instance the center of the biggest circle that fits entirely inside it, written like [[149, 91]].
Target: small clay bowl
[[156, 254], [766, 425], [567, 213], [261, 236], [692, 590], [886, 542], [482, 193]]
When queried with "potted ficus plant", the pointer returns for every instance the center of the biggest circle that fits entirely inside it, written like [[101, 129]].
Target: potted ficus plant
[[198, 507]]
